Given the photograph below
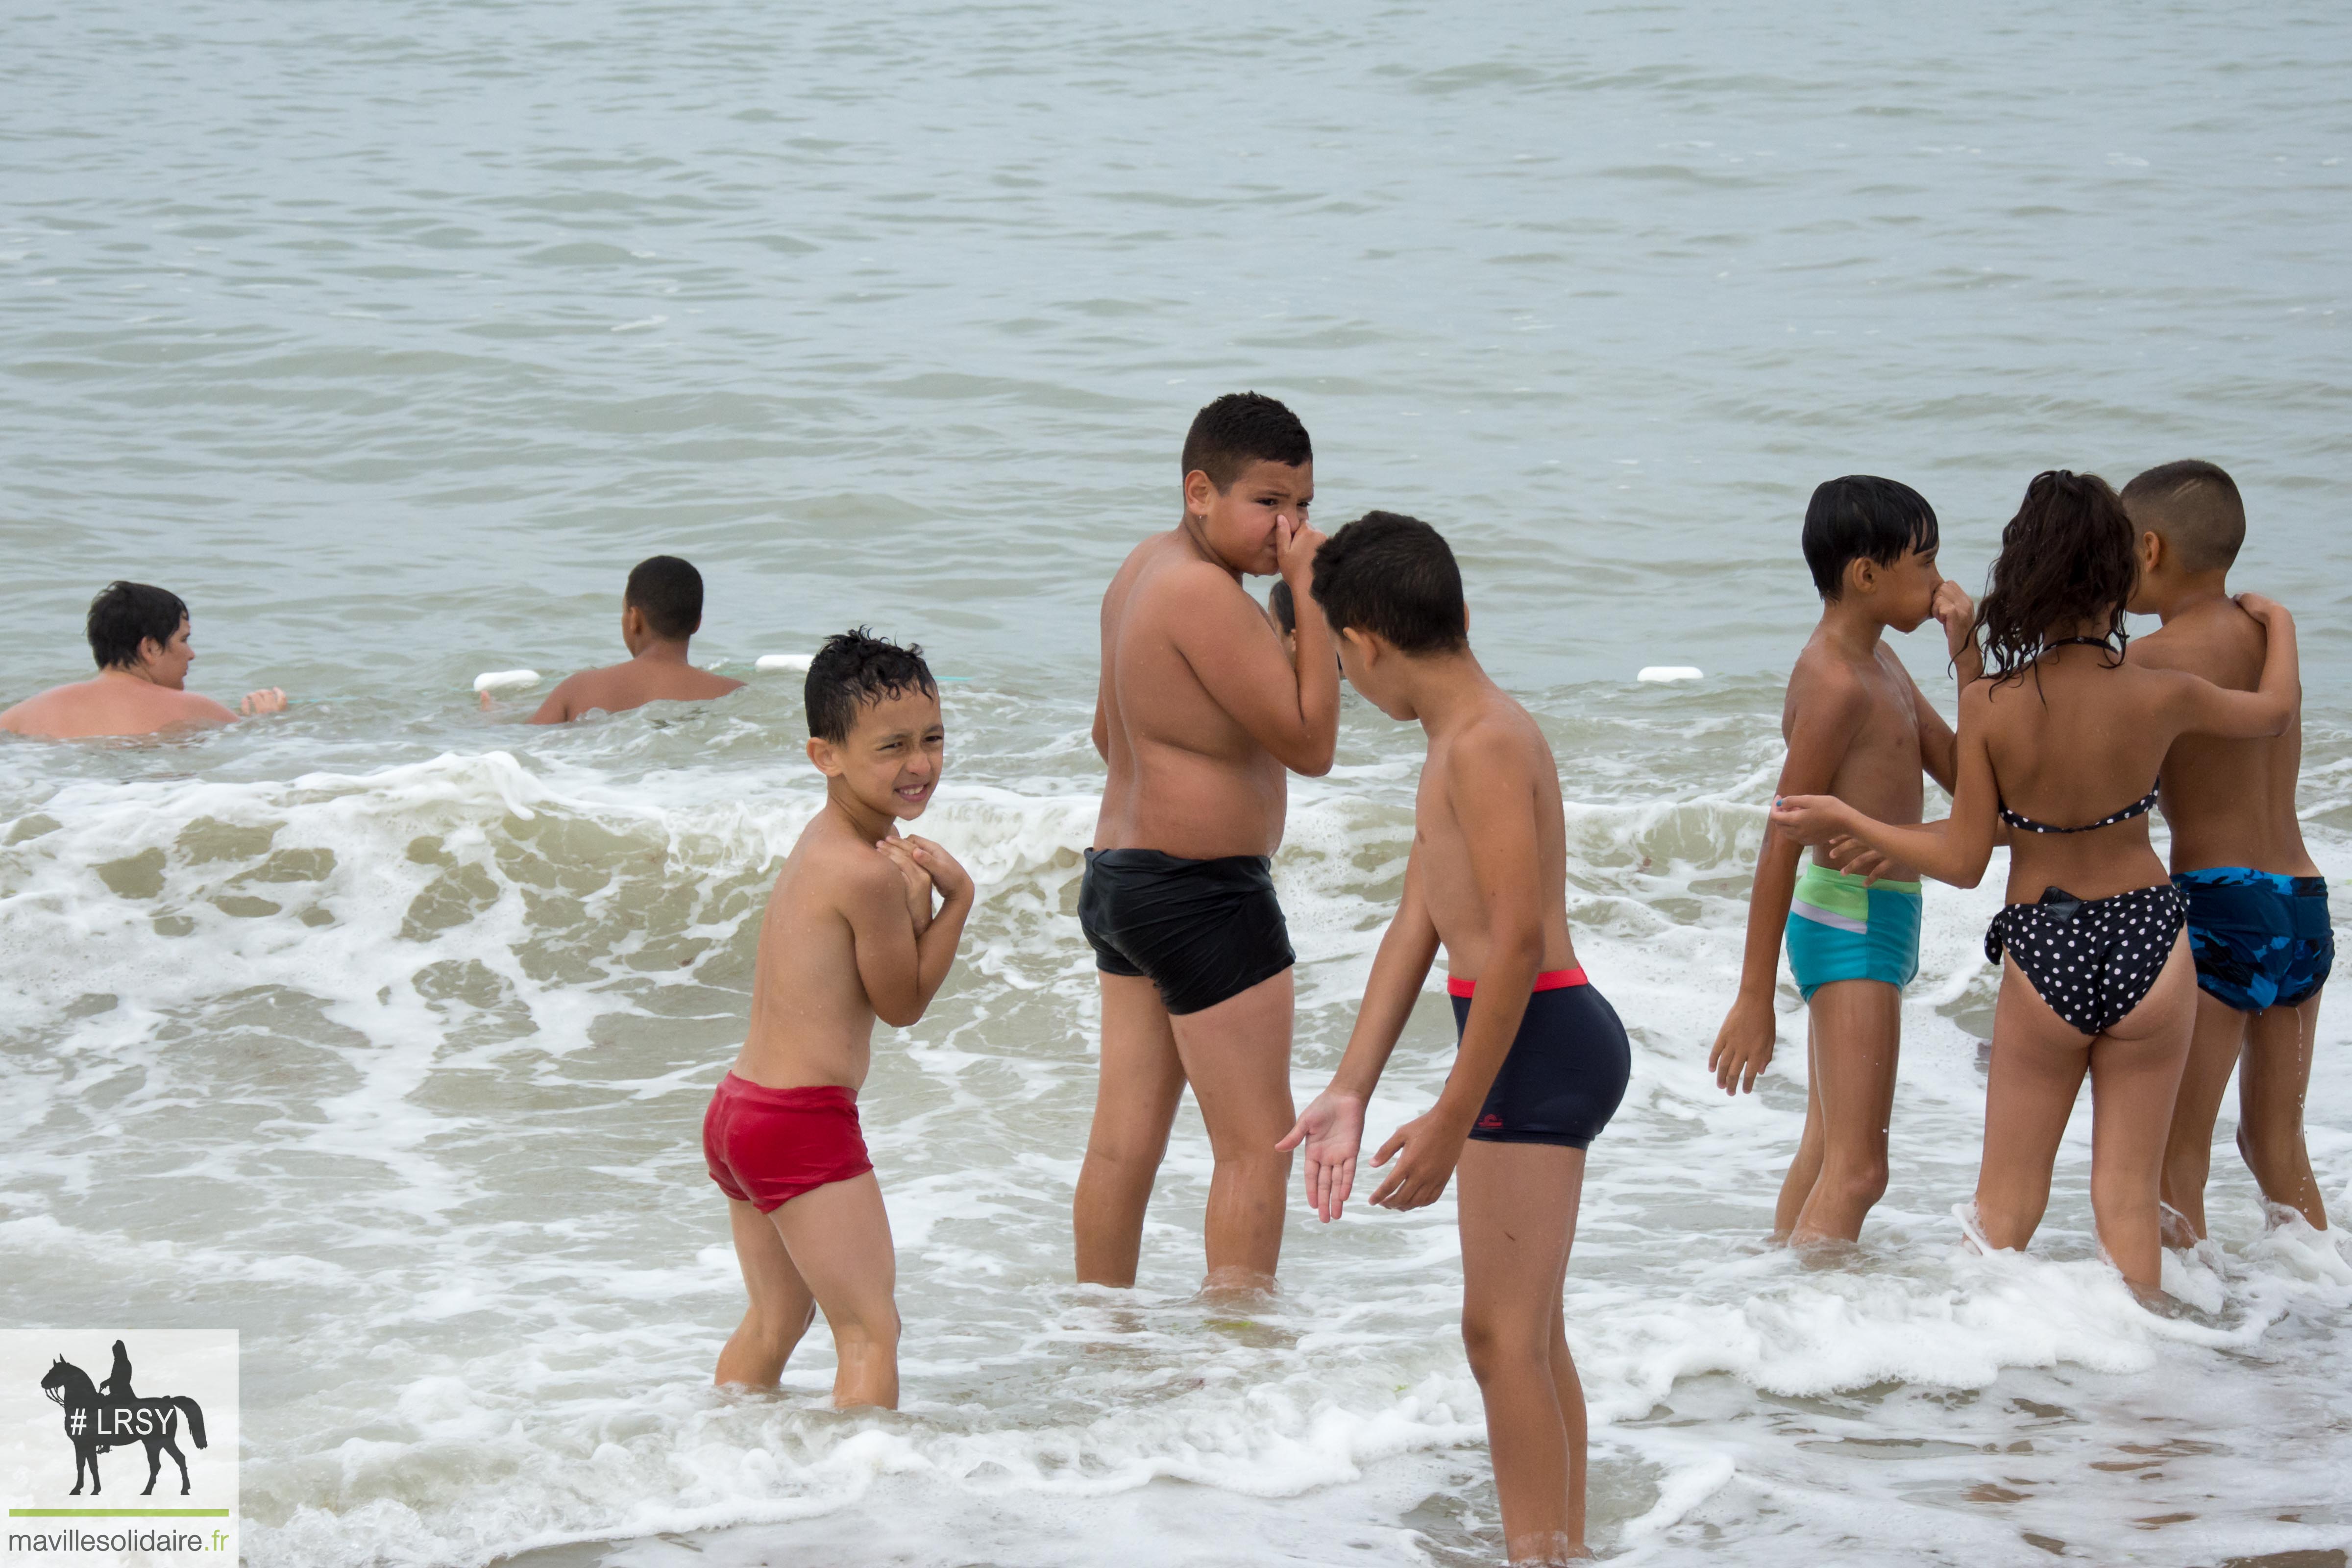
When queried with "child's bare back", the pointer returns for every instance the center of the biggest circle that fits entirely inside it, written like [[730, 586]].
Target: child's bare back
[[1494, 764], [661, 609]]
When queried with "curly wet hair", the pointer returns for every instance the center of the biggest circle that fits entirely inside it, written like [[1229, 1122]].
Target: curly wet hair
[[2065, 558]]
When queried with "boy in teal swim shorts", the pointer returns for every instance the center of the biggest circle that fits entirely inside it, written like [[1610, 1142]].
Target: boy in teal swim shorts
[[1857, 728]]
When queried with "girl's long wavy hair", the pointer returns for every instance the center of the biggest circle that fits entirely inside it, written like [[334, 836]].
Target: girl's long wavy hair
[[2065, 558]]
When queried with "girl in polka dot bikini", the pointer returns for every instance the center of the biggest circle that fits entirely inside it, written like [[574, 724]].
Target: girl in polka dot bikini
[[2097, 975]]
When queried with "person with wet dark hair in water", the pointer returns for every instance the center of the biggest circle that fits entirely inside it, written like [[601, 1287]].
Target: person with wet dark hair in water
[[2061, 739], [661, 609], [139, 635]]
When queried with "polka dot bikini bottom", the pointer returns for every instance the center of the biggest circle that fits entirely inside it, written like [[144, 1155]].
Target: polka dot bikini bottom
[[2091, 960]]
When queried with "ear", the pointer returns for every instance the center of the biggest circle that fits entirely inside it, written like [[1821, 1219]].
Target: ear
[[1366, 647], [1861, 576], [2151, 551], [826, 755], [633, 621], [150, 650], [1198, 493]]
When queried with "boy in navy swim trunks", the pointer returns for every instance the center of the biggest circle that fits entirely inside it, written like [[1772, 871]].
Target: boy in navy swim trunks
[[1543, 1060], [2258, 923], [849, 936], [1858, 727]]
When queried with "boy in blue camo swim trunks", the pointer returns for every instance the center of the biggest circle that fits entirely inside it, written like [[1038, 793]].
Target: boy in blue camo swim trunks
[[1858, 728], [2258, 923]]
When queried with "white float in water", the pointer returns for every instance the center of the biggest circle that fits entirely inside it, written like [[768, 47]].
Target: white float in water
[[1669, 672], [492, 680], [774, 661]]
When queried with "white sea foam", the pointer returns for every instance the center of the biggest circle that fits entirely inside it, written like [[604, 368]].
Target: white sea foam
[[427, 1044]]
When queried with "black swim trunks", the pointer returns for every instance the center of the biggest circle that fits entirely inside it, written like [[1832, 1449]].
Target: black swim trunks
[[1568, 1067], [1201, 930]]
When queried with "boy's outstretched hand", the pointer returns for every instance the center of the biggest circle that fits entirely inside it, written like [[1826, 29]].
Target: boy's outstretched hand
[[1331, 1129], [269, 700], [1744, 1046], [1426, 1149]]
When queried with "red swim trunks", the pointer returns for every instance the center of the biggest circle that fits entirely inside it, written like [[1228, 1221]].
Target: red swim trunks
[[767, 1146]]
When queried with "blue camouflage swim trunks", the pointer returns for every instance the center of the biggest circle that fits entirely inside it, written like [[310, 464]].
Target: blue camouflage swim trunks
[[2259, 939]]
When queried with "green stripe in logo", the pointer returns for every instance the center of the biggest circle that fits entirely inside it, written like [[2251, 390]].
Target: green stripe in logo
[[118, 1513]]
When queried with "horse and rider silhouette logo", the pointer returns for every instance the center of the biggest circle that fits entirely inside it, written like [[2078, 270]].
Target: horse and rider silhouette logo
[[112, 1417]]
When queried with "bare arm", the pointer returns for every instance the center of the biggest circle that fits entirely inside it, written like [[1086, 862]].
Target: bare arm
[[901, 972], [1330, 1131], [1954, 850], [204, 710], [2201, 707], [1398, 970], [1492, 795], [1234, 649], [1829, 711], [557, 708], [1939, 746]]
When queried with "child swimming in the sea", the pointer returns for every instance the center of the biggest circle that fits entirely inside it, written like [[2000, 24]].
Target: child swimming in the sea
[[2062, 740], [849, 936]]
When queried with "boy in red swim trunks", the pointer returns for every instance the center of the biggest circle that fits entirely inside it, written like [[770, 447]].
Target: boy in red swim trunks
[[1543, 1060], [849, 937]]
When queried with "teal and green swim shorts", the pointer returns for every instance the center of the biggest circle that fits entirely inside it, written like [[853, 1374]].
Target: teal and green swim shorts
[[1842, 929]]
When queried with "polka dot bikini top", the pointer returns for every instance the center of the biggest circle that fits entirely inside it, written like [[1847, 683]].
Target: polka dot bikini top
[[2137, 808]]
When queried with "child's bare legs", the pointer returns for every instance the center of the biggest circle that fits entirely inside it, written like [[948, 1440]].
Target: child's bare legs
[[1236, 1055], [1857, 1027], [1135, 1103], [782, 1308], [1517, 1203], [1141, 1079], [2214, 1045], [833, 1249], [1806, 1168], [2038, 1063], [2272, 1083]]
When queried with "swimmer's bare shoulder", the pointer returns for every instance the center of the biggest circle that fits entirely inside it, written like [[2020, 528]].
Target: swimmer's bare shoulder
[[1827, 704], [89, 710], [619, 688]]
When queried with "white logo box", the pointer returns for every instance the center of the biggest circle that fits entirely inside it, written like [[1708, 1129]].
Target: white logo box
[[182, 1381]]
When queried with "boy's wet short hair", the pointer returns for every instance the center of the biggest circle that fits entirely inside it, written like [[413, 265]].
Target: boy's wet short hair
[[857, 668], [125, 614], [1862, 518], [1285, 611], [668, 593], [1394, 576], [1240, 428], [2195, 508]]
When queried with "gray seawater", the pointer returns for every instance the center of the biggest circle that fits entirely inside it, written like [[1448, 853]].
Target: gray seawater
[[391, 335]]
